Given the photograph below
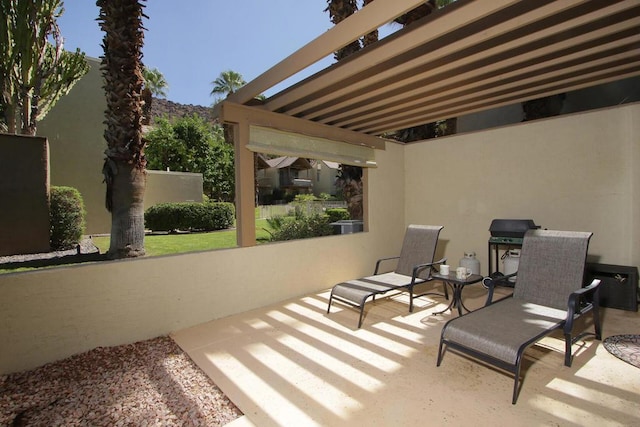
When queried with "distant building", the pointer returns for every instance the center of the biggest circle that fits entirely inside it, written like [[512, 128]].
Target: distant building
[[284, 176]]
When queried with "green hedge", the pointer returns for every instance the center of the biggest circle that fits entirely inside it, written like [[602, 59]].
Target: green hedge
[[337, 214], [190, 216], [66, 218]]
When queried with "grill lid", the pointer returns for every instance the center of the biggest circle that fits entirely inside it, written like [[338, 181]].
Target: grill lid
[[511, 227]]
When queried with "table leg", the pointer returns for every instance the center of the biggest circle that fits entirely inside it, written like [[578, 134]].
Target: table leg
[[457, 297], [461, 304], [456, 301], [453, 299]]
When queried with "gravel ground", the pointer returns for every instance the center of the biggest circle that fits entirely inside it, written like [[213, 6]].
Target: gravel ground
[[148, 383]]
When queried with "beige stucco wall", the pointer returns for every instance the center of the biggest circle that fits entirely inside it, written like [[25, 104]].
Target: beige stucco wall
[[575, 172], [170, 187], [75, 131], [327, 182], [54, 313], [24, 195]]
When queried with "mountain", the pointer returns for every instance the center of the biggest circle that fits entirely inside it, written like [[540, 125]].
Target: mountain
[[172, 110]]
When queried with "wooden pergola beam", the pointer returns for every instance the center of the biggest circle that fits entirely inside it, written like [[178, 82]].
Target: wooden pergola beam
[[231, 112], [369, 18]]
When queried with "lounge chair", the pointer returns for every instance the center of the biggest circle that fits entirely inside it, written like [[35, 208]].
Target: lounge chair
[[548, 295], [413, 268]]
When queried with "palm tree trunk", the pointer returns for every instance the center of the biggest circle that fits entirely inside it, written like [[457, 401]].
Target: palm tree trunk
[[372, 37], [127, 214], [340, 10], [124, 167]]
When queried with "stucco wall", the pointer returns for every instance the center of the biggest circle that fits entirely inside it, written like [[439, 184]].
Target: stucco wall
[[24, 195], [574, 172], [51, 314], [75, 129], [169, 187], [75, 132]]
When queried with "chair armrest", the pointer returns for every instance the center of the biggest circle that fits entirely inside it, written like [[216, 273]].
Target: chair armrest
[[573, 305], [383, 259], [501, 279], [574, 298], [491, 282], [420, 267]]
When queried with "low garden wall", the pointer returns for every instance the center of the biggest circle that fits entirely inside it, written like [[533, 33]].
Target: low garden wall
[[24, 194]]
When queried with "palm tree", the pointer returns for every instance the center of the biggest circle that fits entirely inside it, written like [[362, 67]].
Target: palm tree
[[372, 37], [124, 165], [350, 177], [435, 129], [227, 82], [154, 85], [339, 10], [154, 81]]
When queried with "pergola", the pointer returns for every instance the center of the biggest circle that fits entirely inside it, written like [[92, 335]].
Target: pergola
[[469, 56]]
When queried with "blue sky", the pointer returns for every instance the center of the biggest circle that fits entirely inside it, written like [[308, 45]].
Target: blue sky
[[192, 41]]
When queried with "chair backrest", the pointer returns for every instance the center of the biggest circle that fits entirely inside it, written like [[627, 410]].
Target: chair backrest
[[418, 247], [551, 266]]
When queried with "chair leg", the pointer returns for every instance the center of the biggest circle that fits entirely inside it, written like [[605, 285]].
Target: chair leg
[[410, 299], [596, 322], [568, 341], [330, 300], [361, 315], [516, 383], [440, 354], [362, 303]]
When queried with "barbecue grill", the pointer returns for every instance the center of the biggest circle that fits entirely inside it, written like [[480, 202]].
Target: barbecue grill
[[509, 233], [510, 230]]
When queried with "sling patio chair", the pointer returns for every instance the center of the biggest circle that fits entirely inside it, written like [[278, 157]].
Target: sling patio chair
[[548, 295], [413, 267]]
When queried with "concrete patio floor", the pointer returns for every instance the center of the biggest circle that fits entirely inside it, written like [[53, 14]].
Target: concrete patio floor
[[291, 364]]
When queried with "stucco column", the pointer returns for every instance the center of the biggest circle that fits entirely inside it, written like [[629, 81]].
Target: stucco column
[[245, 187]]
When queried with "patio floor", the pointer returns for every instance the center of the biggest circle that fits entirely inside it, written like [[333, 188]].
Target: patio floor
[[292, 364]]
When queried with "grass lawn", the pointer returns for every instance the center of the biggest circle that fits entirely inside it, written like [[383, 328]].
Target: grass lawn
[[165, 244]]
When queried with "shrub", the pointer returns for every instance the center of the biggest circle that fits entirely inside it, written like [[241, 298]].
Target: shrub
[[190, 216], [304, 198], [276, 222], [302, 227], [326, 197], [337, 214], [66, 218]]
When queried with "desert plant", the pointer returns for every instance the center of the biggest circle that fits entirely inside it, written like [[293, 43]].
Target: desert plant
[[66, 218], [276, 222], [35, 70]]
